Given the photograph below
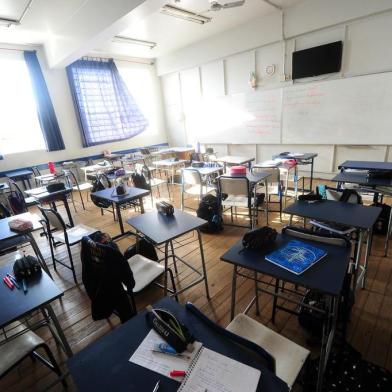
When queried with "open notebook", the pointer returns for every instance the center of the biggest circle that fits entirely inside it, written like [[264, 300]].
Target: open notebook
[[213, 372]]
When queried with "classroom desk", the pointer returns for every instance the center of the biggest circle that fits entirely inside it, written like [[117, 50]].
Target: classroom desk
[[9, 238], [21, 175], [205, 170], [104, 365], [234, 160], [132, 195], [113, 157], [170, 165], [16, 305], [43, 197], [162, 229], [306, 158], [366, 165], [355, 215], [326, 276], [375, 185], [95, 169]]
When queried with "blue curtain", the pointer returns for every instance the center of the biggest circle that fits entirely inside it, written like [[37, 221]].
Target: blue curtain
[[47, 117], [105, 108]]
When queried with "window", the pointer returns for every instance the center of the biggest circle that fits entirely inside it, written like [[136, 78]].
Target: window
[[106, 110], [20, 129]]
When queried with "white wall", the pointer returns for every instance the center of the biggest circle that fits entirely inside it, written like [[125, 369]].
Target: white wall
[[59, 91], [223, 63]]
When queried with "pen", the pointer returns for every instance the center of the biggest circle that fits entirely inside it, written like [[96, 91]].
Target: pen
[[177, 373], [8, 283], [172, 354], [156, 386], [13, 280], [24, 286]]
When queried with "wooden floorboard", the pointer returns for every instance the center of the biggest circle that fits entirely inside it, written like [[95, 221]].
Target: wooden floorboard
[[370, 329]]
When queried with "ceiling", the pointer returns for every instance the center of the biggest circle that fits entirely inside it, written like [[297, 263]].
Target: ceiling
[[169, 33], [172, 33]]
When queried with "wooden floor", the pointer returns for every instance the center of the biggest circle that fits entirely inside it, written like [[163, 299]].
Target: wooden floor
[[370, 329]]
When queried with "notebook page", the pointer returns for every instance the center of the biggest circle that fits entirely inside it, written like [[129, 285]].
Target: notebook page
[[214, 372], [158, 362]]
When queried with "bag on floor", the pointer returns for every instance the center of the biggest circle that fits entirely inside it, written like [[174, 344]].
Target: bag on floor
[[381, 225], [210, 210], [146, 249]]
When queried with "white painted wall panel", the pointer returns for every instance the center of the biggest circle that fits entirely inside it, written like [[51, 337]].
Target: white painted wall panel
[[212, 79], [237, 69]]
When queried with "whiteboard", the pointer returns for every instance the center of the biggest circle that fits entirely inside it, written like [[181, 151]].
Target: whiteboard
[[248, 118], [355, 110]]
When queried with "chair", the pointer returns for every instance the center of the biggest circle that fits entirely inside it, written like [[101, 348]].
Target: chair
[[286, 177], [275, 187], [239, 195], [198, 187], [15, 350], [153, 182], [85, 186], [63, 236], [17, 201], [289, 356], [42, 181]]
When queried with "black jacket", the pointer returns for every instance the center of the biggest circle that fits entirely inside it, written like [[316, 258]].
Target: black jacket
[[104, 270]]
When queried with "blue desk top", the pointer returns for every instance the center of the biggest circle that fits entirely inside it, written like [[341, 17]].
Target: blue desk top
[[16, 304], [111, 195], [355, 215], [104, 365], [326, 275], [362, 179], [366, 165], [19, 173], [5, 231], [160, 228], [303, 157]]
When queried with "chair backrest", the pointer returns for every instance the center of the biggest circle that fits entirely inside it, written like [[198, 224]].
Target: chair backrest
[[71, 177], [146, 173], [53, 219], [235, 186], [326, 238], [251, 348], [36, 171], [273, 171], [16, 198], [4, 211], [191, 177], [104, 180], [104, 269]]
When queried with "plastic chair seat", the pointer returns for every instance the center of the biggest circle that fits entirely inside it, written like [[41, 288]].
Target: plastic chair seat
[[83, 187], [16, 349], [236, 201], [75, 234], [289, 356], [195, 190], [144, 271]]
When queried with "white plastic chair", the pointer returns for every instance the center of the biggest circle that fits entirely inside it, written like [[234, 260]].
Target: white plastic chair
[[289, 356]]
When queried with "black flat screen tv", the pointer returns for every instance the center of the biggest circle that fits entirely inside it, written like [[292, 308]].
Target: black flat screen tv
[[319, 60]]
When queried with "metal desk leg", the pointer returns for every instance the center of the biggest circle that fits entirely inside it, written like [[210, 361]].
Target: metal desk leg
[[266, 199], [256, 294], [68, 212], [311, 175], [166, 268], [388, 234], [39, 254], [357, 260], [368, 247], [119, 217], [141, 205], [233, 292], [60, 333], [173, 257], [203, 264]]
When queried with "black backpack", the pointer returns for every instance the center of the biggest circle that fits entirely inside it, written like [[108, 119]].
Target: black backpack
[[16, 203], [210, 210], [381, 225], [4, 211], [139, 181], [98, 186], [146, 249]]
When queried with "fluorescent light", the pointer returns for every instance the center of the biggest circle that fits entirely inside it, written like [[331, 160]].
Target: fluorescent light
[[181, 13], [133, 41], [4, 22]]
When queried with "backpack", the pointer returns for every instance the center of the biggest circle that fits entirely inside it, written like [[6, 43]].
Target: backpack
[[351, 196], [98, 186], [16, 203], [381, 225], [139, 181], [146, 249], [4, 211], [210, 210]]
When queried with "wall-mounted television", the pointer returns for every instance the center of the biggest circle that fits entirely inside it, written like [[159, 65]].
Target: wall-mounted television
[[319, 60]]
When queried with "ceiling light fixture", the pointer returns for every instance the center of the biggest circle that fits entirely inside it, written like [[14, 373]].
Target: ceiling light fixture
[[181, 13], [133, 41], [7, 22]]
